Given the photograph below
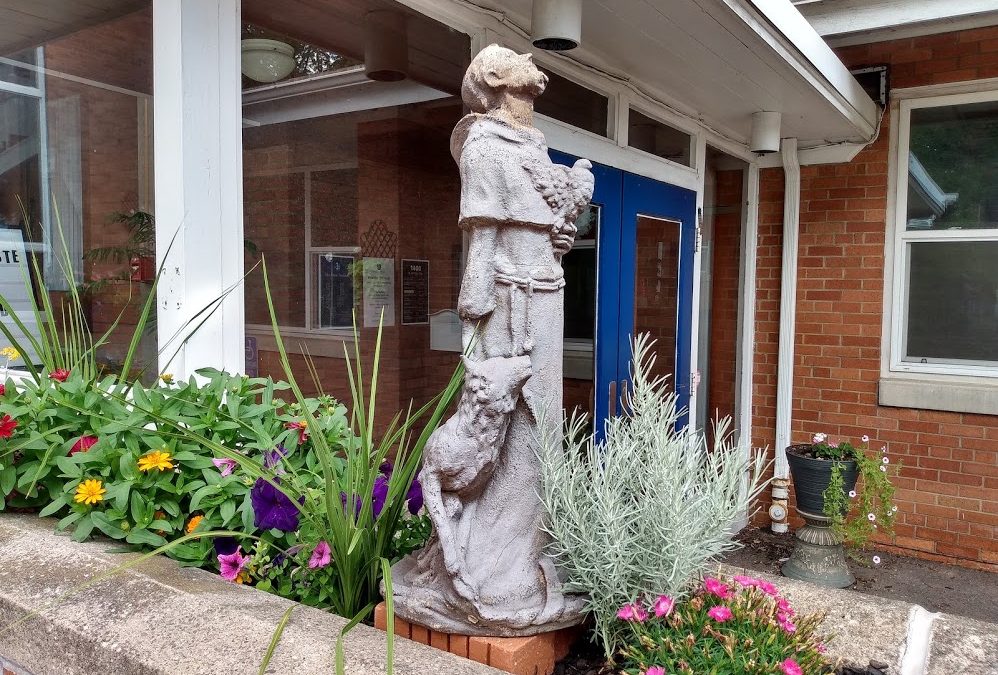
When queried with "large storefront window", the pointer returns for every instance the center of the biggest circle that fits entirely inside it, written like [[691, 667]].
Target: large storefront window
[[76, 161], [352, 196]]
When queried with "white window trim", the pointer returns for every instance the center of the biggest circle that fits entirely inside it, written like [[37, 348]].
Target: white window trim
[[898, 237], [924, 386]]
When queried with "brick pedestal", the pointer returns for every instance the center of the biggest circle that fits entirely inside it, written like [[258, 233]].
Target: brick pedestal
[[534, 655]]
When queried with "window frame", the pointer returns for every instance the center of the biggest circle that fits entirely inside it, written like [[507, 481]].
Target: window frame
[[899, 237]]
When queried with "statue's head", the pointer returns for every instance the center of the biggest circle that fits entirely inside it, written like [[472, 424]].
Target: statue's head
[[496, 72]]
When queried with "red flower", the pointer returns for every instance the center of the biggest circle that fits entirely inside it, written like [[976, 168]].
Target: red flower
[[7, 426], [302, 428], [3, 389], [83, 444], [59, 375]]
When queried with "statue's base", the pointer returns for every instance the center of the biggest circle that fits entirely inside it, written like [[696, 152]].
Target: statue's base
[[534, 655]]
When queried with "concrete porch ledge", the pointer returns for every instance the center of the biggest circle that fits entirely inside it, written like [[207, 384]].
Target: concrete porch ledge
[[158, 618], [903, 635]]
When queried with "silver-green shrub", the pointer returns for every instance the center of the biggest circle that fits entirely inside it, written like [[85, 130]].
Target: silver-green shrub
[[643, 512]]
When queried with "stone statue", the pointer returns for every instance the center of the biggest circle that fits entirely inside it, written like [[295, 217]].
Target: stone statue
[[485, 570]]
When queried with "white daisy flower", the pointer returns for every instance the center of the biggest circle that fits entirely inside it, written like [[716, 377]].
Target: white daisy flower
[[866, 439], [885, 460], [871, 517], [876, 560], [883, 468], [852, 494]]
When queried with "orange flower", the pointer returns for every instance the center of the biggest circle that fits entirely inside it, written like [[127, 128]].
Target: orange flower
[[193, 523]]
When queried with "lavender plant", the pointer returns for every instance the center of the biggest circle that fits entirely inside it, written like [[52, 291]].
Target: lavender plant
[[643, 512]]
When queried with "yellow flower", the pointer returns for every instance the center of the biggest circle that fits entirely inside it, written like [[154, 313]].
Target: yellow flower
[[167, 378], [90, 491], [242, 577], [157, 459], [193, 523], [10, 353]]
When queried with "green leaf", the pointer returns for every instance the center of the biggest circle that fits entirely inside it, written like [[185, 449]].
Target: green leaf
[[8, 478], [144, 536], [227, 510], [206, 491], [138, 507], [70, 469], [127, 467], [83, 528], [106, 526], [53, 507], [68, 520]]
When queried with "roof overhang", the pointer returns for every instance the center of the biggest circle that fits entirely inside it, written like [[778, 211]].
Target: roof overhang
[[851, 22], [719, 61], [30, 24]]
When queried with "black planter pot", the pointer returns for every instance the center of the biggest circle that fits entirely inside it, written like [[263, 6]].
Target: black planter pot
[[811, 477]]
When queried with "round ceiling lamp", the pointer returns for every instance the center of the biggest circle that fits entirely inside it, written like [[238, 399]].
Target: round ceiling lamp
[[765, 132], [386, 47], [267, 60], [556, 25]]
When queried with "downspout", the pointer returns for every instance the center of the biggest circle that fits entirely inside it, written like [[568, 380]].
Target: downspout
[[779, 511]]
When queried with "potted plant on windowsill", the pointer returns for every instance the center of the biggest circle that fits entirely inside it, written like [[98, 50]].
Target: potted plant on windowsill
[[825, 477]]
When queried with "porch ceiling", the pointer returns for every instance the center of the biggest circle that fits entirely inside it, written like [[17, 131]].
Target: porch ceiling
[[29, 23], [721, 61]]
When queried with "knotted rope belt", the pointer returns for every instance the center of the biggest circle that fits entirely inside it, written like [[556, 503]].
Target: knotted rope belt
[[521, 290]]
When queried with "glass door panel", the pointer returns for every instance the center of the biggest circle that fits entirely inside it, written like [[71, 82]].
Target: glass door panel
[[656, 288]]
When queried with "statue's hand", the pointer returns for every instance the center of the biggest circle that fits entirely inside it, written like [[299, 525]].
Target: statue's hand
[[563, 238]]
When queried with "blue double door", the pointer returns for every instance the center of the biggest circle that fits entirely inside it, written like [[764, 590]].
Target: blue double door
[[638, 242]]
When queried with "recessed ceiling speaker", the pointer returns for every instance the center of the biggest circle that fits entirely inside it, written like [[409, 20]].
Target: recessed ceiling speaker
[[765, 132], [556, 25], [386, 47]]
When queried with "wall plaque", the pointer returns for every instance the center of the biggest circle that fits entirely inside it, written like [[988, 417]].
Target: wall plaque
[[415, 292]]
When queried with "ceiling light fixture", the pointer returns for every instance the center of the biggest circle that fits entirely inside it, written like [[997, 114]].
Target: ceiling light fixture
[[556, 25], [386, 47]]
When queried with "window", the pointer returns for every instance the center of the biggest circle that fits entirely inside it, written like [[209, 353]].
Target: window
[[945, 303], [659, 138], [571, 103]]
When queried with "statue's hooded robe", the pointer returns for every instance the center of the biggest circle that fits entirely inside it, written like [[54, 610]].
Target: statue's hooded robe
[[512, 303]]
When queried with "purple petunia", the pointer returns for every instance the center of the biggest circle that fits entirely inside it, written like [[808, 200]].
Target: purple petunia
[[379, 494], [225, 545], [415, 496], [272, 458], [272, 509], [231, 565]]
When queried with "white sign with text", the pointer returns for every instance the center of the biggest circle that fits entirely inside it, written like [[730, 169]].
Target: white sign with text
[[14, 271]]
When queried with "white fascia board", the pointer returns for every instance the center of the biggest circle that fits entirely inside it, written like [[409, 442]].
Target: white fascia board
[[845, 22], [780, 24]]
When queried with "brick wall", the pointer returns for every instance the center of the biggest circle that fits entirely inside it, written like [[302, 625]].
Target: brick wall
[[948, 489], [725, 280]]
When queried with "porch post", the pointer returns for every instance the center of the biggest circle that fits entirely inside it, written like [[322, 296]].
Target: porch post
[[198, 178]]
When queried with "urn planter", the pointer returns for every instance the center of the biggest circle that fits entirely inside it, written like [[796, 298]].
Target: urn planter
[[818, 555]]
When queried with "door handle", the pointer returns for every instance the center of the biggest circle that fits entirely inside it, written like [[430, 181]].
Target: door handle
[[613, 398]]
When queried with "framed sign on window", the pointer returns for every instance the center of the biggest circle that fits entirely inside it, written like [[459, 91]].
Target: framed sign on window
[[415, 292]]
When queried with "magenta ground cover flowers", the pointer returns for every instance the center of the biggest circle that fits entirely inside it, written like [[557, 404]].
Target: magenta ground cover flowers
[[720, 628]]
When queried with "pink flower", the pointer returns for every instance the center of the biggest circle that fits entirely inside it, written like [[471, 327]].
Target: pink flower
[[720, 613], [83, 444], [819, 438], [785, 623], [663, 606], [320, 556], [226, 465], [784, 607], [822, 649], [791, 667], [747, 582], [715, 587], [632, 612], [655, 670], [768, 588], [59, 375], [232, 564]]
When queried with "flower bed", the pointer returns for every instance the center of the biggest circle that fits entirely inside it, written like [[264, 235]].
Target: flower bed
[[224, 468]]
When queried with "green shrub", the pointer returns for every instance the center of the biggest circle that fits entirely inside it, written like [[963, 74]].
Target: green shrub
[[642, 513], [743, 628]]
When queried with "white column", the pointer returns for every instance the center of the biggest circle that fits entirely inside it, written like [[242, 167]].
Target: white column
[[198, 179]]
